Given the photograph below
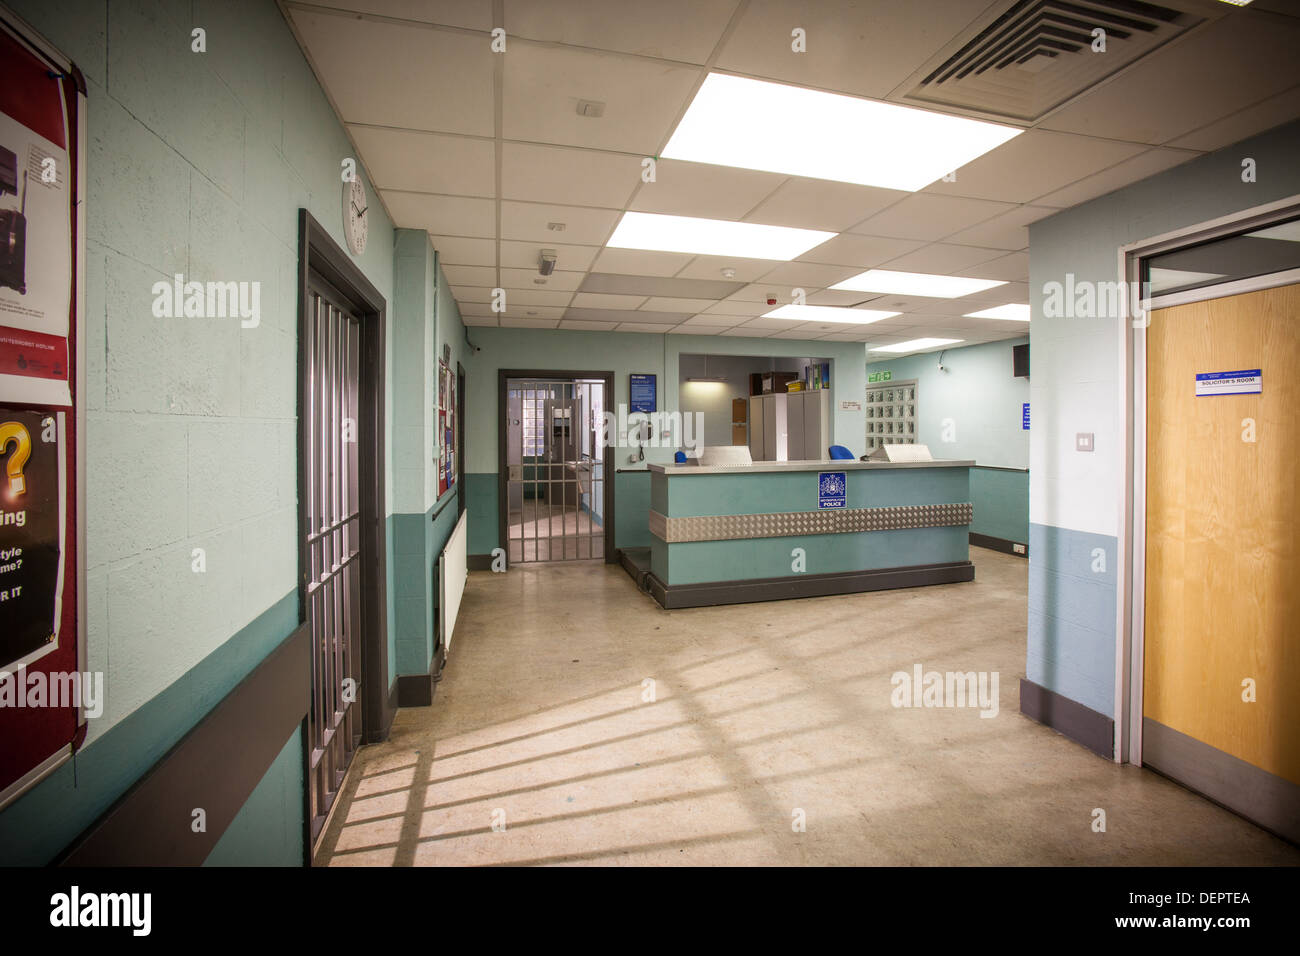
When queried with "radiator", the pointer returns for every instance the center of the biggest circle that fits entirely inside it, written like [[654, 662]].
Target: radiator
[[452, 572]]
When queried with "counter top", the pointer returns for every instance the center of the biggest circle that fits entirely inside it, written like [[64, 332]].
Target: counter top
[[771, 466]]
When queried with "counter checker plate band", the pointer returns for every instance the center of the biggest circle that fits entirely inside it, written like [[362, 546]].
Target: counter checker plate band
[[786, 523]]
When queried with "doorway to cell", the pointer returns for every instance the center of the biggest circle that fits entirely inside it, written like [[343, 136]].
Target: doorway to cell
[[558, 484]]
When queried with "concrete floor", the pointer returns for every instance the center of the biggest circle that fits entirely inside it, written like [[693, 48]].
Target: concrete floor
[[760, 711]]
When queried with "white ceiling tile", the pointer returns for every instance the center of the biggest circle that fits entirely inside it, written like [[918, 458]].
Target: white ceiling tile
[[578, 177], [442, 215], [510, 322], [468, 14], [1241, 124], [479, 320], [662, 303], [460, 251], [527, 255], [717, 320], [686, 329], [580, 325], [943, 259], [371, 70], [1009, 231], [862, 252], [637, 262], [710, 267], [1013, 268], [557, 280], [1118, 176], [805, 333], [470, 275], [838, 297], [544, 84], [464, 293], [684, 30], [808, 275], [865, 47], [1212, 73], [528, 222], [641, 327], [702, 190], [746, 333], [1035, 162], [732, 307], [927, 216], [820, 204], [427, 162], [757, 292], [538, 297], [597, 300]]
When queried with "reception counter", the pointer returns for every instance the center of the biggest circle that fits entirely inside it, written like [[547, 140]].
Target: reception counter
[[775, 530]]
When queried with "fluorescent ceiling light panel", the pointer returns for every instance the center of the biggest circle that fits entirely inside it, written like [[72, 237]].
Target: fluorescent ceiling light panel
[[916, 344], [713, 237], [1012, 312], [916, 283], [754, 124], [827, 313]]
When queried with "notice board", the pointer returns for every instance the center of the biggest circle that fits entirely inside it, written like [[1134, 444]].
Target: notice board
[[42, 630]]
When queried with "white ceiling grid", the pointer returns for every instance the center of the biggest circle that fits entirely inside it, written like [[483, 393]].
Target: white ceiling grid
[[488, 152]]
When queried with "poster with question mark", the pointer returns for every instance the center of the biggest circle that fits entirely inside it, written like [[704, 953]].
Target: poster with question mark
[[31, 464]]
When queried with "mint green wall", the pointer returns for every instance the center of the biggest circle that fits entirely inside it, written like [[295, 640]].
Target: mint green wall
[[977, 392], [197, 163], [1001, 500], [425, 317], [623, 353], [983, 400]]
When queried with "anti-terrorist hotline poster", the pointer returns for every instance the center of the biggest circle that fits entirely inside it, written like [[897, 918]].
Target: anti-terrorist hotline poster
[[31, 529], [35, 230]]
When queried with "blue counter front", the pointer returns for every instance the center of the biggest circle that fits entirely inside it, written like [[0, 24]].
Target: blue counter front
[[773, 530]]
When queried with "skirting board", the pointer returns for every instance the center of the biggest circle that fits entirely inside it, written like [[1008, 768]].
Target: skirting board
[[416, 690], [1081, 724], [1261, 797], [1005, 545], [479, 562], [805, 585]]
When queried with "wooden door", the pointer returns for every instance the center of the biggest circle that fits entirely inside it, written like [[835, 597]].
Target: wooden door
[[1222, 561]]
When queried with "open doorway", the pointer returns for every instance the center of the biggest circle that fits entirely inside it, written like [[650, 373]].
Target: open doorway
[[556, 467]]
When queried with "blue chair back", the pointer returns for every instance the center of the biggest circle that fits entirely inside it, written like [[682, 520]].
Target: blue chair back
[[840, 453]]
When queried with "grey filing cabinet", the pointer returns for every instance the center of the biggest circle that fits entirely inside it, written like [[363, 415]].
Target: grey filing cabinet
[[794, 426], [757, 450], [811, 441], [768, 427]]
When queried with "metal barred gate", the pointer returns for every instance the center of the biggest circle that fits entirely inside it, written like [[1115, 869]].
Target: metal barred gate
[[334, 544]]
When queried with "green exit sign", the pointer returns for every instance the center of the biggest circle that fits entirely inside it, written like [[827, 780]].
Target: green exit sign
[[879, 376]]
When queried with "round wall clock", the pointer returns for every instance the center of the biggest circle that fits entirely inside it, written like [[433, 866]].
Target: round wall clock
[[356, 223]]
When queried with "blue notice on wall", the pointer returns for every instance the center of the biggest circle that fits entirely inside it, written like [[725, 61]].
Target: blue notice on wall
[[641, 393], [831, 489], [1024, 417]]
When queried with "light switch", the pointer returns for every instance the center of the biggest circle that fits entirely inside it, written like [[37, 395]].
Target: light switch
[[1083, 441]]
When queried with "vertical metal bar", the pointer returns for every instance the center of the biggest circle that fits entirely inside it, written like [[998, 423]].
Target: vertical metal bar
[[313, 723]]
